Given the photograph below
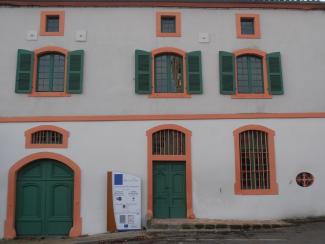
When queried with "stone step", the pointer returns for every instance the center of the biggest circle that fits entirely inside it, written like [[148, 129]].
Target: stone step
[[208, 224]]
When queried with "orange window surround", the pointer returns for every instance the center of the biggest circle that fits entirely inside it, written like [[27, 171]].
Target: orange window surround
[[37, 53], [177, 16], [62, 132], [44, 17], [256, 20], [259, 53], [265, 163]]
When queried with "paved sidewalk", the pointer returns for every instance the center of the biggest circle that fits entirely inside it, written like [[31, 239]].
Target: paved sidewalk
[[162, 226]]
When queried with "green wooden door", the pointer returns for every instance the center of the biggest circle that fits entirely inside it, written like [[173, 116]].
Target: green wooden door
[[169, 190], [44, 199]]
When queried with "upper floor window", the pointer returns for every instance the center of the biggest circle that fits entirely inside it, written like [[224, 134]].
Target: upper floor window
[[52, 23], [168, 24], [168, 73], [250, 73], [46, 136], [255, 160], [248, 26], [49, 71]]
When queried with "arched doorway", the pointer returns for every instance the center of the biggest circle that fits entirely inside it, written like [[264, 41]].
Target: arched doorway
[[169, 172], [27, 168], [44, 199]]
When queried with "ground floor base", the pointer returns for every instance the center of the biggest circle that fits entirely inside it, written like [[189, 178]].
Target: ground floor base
[[53, 175]]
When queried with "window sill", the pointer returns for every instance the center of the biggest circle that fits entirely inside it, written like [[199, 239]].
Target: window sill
[[273, 191], [160, 34], [251, 96], [169, 95], [59, 33], [29, 146], [49, 94], [243, 36]]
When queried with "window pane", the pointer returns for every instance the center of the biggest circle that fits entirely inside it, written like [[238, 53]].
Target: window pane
[[247, 26], [52, 23], [250, 74], [168, 24], [58, 73], [168, 74], [50, 74]]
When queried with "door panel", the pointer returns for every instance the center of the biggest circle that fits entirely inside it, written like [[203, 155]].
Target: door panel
[[169, 185], [44, 198]]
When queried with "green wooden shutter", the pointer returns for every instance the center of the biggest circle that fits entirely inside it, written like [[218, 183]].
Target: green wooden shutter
[[275, 73], [143, 83], [24, 71], [75, 71], [194, 72], [227, 73]]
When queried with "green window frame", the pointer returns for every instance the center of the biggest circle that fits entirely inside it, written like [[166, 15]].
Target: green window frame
[[169, 73], [250, 74], [50, 72]]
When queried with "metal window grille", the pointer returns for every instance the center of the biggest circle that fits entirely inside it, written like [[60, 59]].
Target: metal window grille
[[168, 24], [168, 142], [47, 137], [254, 160]]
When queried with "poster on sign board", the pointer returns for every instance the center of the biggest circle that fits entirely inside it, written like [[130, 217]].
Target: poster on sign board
[[126, 201]]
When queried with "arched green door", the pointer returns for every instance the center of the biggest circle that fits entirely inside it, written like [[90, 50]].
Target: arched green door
[[44, 199]]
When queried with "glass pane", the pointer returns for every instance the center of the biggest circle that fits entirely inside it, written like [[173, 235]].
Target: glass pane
[[50, 74], [168, 24], [250, 74], [247, 26], [43, 75], [52, 23], [242, 74], [58, 73], [256, 76], [168, 73]]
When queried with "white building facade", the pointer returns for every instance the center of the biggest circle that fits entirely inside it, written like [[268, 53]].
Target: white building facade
[[217, 107]]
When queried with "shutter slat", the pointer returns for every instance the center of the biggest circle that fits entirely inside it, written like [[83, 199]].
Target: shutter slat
[[75, 71], [194, 72], [227, 73], [143, 83], [275, 73], [24, 71]]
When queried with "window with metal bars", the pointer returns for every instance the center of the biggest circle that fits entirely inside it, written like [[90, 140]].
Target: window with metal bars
[[46, 137], [168, 142], [254, 160]]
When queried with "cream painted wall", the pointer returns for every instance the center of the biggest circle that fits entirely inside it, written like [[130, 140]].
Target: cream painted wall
[[98, 147], [114, 34]]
